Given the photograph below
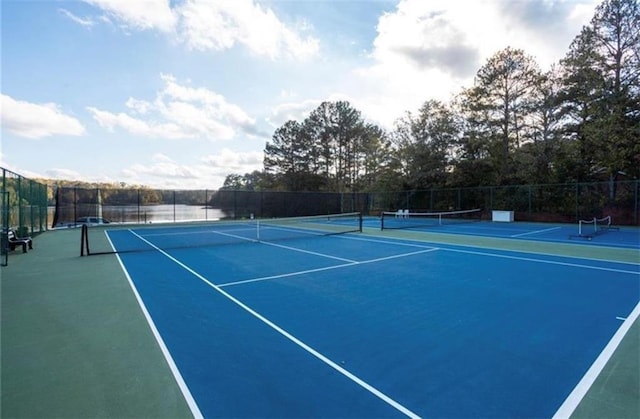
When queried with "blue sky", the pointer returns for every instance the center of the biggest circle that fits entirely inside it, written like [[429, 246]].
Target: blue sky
[[181, 93]]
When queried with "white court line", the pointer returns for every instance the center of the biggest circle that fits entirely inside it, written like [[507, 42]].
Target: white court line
[[308, 252], [569, 406], [536, 252], [196, 231], [285, 247], [550, 262], [352, 263], [417, 252], [235, 236], [186, 393], [393, 242], [536, 232], [267, 278], [289, 336]]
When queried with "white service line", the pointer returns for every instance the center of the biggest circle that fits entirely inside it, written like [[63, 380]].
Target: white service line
[[536, 232], [396, 242], [267, 278], [289, 336], [295, 249], [326, 268]]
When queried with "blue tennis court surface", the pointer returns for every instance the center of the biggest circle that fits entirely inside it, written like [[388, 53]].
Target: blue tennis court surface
[[623, 237], [357, 325]]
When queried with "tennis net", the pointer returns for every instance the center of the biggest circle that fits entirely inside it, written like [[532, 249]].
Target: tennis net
[[110, 240], [588, 229], [406, 219]]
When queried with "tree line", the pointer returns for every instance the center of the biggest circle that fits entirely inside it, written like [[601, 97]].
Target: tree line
[[577, 122]]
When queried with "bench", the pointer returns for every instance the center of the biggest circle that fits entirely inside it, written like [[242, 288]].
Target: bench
[[14, 241]]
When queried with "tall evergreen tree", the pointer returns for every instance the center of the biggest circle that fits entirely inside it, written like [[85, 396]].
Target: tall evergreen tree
[[543, 137], [425, 143], [602, 92], [336, 130], [287, 157], [499, 107]]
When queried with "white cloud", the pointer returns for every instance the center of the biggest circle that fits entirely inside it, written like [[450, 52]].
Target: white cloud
[[299, 111], [211, 103], [86, 22], [180, 111], [162, 169], [138, 106], [209, 173], [218, 25], [159, 157], [227, 161], [292, 111], [432, 49], [32, 120], [206, 25], [142, 15], [136, 126], [62, 174]]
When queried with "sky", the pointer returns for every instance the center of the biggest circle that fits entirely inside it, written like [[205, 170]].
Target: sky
[[179, 94]]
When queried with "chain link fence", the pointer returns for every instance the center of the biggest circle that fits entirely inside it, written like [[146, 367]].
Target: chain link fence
[[566, 203], [24, 208]]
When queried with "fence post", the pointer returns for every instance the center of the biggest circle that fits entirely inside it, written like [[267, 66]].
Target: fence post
[[75, 204], [577, 202], [19, 196], [138, 204], [4, 228], [635, 203], [490, 198], [529, 202], [235, 204]]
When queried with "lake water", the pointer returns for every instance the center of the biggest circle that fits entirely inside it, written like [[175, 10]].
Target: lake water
[[152, 213], [160, 213]]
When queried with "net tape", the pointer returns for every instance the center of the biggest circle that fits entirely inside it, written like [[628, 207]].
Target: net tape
[[406, 219], [171, 236]]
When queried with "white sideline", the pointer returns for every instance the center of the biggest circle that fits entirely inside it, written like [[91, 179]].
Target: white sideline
[[573, 400], [289, 336], [186, 393]]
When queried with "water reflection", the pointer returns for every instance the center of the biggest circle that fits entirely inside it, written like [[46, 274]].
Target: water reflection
[[145, 213]]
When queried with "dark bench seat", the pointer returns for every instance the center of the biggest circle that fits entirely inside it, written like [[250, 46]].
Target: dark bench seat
[[15, 241]]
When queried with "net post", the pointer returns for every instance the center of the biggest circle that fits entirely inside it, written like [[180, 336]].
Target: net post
[[83, 240], [360, 222], [258, 230]]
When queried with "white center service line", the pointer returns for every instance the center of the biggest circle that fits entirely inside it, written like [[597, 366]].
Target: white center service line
[[295, 249], [326, 268], [289, 336], [536, 232]]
